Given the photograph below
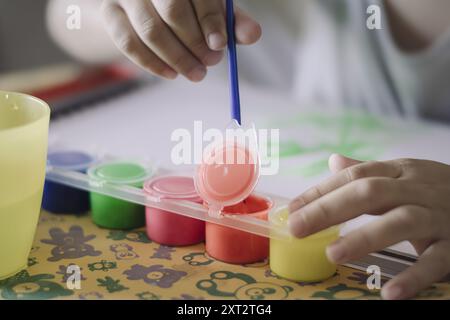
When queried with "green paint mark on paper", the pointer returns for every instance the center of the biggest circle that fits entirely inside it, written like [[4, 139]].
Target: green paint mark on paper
[[317, 135]]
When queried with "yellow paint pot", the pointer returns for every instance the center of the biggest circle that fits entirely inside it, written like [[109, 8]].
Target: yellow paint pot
[[24, 124], [301, 259]]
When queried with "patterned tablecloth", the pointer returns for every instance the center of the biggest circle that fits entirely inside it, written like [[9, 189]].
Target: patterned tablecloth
[[127, 265]]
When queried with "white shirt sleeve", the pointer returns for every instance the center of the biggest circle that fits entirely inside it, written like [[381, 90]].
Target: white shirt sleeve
[[322, 52]]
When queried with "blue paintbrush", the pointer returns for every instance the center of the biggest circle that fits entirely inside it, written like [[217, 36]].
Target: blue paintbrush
[[232, 64]]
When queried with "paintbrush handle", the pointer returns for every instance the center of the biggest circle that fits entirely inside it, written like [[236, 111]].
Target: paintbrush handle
[[232, 63]]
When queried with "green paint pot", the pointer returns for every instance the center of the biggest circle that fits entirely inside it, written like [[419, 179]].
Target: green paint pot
[[113, 213]]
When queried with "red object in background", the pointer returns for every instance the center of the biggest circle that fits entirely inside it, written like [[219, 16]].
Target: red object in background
[[88, 80], [88, 86], [235, 246]]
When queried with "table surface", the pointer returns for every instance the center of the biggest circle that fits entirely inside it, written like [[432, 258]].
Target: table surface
[[127, 265]]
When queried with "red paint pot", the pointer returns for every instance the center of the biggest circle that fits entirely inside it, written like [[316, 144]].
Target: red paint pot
[[235, 246], [169, 228]]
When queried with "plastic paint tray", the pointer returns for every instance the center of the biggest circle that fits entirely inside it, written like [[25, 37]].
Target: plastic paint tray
[[189, 209]]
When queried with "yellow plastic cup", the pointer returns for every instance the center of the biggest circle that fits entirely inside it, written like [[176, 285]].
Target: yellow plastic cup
[[301, 259], [24, 122]]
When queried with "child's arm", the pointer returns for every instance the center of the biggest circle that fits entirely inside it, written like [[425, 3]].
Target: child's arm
[[412, 196], [90, 43]]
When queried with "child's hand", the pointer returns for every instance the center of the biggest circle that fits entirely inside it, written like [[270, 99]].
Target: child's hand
[[167, 37], [413, 197]]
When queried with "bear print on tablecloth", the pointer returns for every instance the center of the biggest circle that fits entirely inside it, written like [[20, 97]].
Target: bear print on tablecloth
[[102, 265], [22, 286], [156, 275], [270, 274], [197, 259], [123, 251], [343, 292], [147, 295], [111, 285], [163, 252], [242, 286], [70, 245], [133, 236]]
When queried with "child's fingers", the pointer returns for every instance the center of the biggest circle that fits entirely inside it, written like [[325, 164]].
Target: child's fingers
[[157, 36], [211, 17], [351, 174], [370, 196], [182, 20], [432, 266], [248, 31], [337, 162], [126, 39], [421, 245], [402, 223]]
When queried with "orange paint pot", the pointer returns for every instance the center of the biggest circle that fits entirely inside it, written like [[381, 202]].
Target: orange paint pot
[[235, 246]]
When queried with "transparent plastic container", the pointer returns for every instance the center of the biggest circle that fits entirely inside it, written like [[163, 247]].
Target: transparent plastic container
[[135, 194], [241, 233]]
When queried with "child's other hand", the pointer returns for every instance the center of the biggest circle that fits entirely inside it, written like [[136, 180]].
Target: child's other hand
[[413, 197], [168, 37]]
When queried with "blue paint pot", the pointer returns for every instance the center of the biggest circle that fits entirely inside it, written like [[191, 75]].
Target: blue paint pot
[[59, 198]]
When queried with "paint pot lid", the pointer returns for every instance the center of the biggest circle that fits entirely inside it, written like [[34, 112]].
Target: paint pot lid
[[129, 173], [70, 160], [172, 187], [223, 183]]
